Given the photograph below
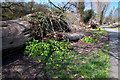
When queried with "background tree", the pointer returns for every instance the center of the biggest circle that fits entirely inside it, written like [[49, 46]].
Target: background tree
[[101, 8], [109, 17], [80, 6], [113, 16]]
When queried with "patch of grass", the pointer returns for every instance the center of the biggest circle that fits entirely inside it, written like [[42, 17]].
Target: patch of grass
[[96, 66], [109, 26], [117, 28], [98, 29]]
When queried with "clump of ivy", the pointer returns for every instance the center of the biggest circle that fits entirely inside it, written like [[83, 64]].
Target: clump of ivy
[[89, 39]]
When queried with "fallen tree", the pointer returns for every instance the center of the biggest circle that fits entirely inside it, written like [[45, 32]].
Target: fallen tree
[[14, 33]]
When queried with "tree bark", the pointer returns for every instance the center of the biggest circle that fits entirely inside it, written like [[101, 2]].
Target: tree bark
[[14, 33], [101, 17]]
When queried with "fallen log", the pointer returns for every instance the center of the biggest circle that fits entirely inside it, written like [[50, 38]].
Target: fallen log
[[14, 33]]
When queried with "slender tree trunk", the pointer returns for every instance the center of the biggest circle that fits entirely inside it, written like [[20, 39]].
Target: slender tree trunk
[[101, 17]]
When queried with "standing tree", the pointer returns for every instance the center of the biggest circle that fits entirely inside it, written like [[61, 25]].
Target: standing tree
[[101, 8], [80, 6], [109, 18]]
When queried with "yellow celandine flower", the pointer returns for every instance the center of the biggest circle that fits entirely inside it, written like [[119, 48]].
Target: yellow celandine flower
[[65, 44], [45, 47], [51, 58], [42, 45], [62, 49], [39, 60], [64, 56], [62, 52], [42, 54], [48, 44], [57, 65], [54, 48], [68, 47]]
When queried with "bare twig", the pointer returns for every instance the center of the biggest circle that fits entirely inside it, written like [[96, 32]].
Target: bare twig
[[54, 5]]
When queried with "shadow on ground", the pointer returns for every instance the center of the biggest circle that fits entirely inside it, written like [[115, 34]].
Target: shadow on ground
[[19, 66]]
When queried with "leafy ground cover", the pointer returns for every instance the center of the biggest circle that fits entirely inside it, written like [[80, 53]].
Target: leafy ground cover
[[81, 60], [59, 60], [89, 39]]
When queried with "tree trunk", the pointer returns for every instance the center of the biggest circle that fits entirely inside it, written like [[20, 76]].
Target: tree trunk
[[101, 17]]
